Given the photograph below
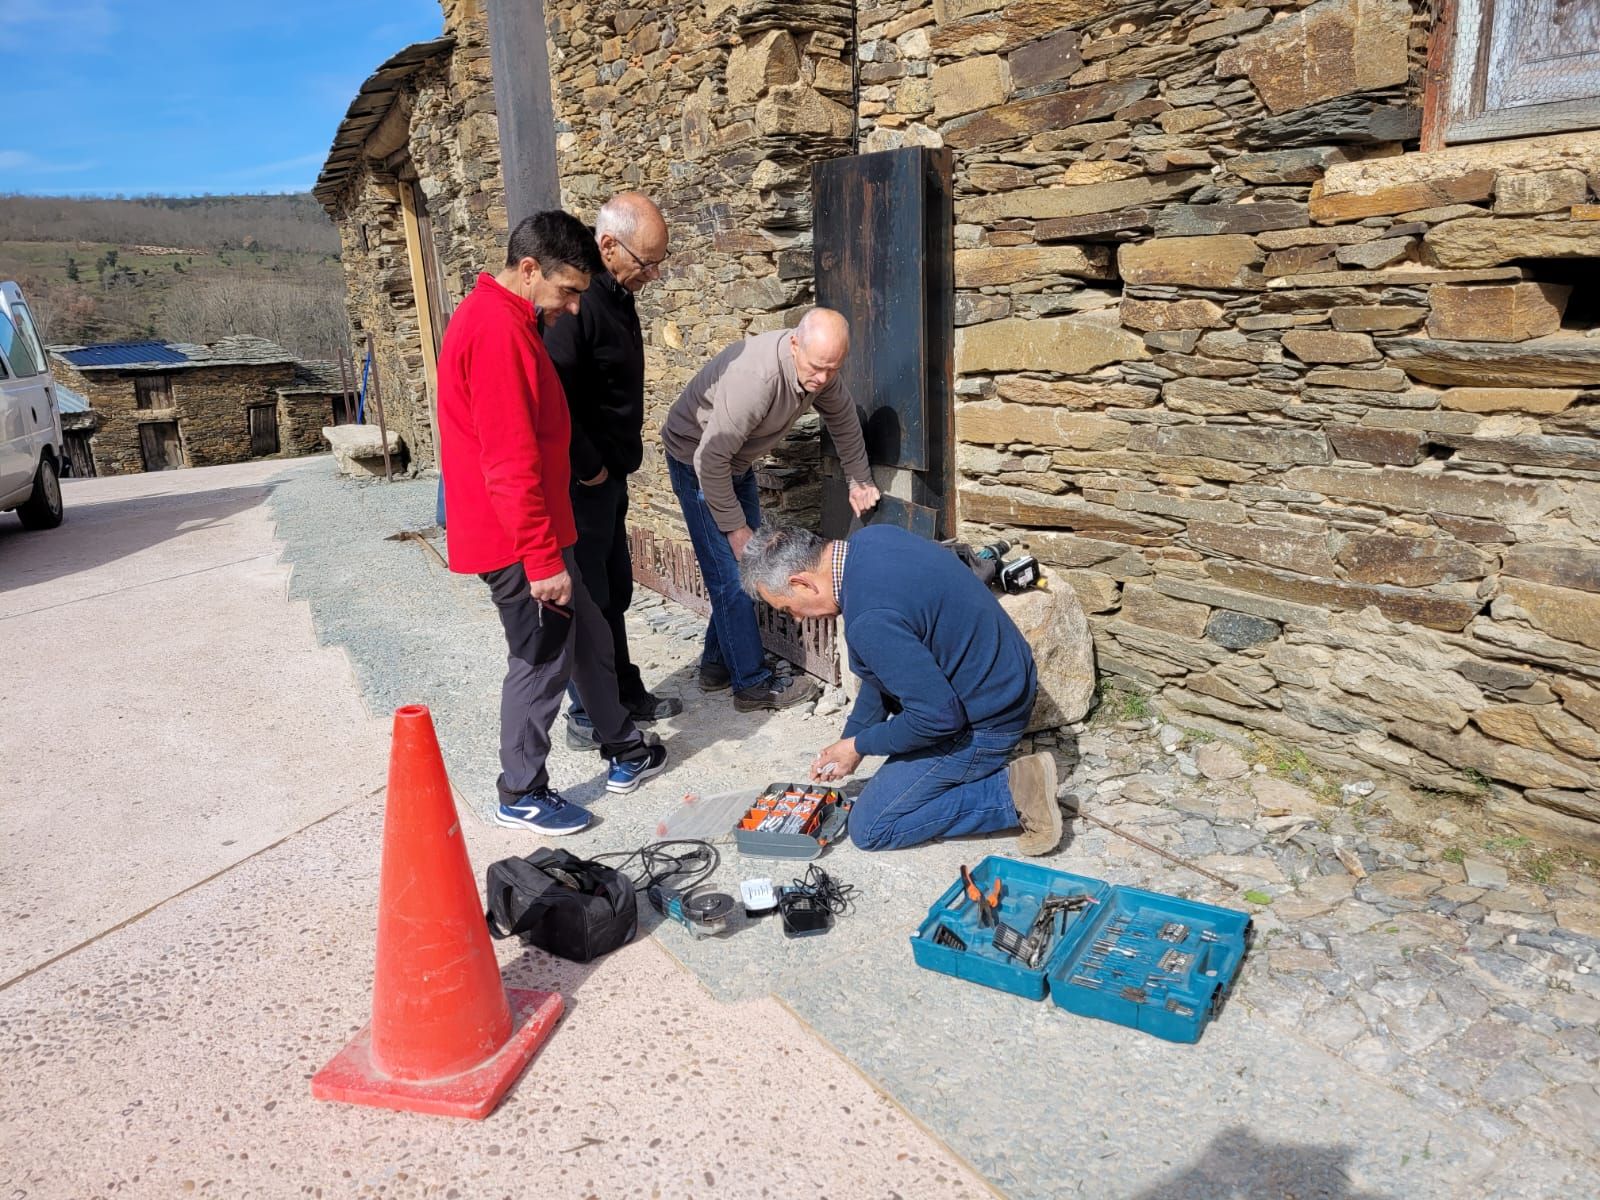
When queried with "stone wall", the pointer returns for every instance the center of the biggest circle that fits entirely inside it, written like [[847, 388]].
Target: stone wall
[[445, 120], [716, 110], [208, 403], [1307, 418], [301, 417], [380, 302]]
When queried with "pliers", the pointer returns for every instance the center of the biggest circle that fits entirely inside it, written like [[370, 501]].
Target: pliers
[[987, 905]]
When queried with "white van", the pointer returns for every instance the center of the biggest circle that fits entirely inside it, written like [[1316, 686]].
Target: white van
[[31, 445]]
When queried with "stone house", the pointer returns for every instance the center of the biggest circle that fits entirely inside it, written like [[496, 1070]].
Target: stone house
[[315, 398], [164, 405], [77, 430], [1275, 322]]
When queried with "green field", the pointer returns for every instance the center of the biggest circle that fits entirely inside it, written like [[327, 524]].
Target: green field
[[85, 289]]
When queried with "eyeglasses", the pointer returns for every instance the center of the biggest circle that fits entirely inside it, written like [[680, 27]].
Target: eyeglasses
[[642, 265]]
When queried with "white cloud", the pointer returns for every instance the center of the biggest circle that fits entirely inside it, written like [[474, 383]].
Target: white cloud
[[285, 167], [31, 164]]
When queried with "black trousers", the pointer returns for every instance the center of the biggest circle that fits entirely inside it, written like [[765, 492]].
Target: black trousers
[[601, 514], [544, 651]]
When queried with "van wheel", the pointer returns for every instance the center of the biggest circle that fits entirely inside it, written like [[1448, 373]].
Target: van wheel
[[42, 510]]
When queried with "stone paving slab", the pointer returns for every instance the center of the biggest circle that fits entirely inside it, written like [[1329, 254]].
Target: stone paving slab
[[1374, 1011], [135, 758], [174, 1058]]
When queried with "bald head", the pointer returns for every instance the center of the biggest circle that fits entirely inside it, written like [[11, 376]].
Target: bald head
[[820, 344], [632, 235]]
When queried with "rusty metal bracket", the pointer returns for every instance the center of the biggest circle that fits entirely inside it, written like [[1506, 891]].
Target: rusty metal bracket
[[669, 567]]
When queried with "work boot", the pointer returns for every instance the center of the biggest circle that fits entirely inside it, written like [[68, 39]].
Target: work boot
[[647, 707], [776, 694], [714, 677], [1032, 780]]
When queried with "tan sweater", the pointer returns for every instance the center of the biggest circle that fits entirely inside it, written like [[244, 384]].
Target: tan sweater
[[740, 406]]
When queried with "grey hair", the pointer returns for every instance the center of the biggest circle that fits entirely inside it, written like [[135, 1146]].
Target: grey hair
[[618, 216], [773, 554]]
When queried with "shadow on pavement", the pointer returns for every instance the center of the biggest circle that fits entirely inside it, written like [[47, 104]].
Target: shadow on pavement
[[1240, 1166], [97, 533]]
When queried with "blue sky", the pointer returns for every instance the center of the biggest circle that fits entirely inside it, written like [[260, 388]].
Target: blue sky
[[182, 97]]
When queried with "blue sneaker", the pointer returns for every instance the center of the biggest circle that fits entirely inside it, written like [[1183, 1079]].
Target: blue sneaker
[[543, 811], [628, 773]]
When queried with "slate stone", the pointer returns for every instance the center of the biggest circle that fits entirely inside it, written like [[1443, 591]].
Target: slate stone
[[1195, 220], [1021, 118], [1353, 46], [1394, 447], [1093, 226], [1437, 612], [1237, 631], [1285, 166], [1400, 198], [1349, 120], [1050, 58]]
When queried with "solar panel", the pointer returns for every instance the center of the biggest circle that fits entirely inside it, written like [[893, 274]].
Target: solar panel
[[124, 354]]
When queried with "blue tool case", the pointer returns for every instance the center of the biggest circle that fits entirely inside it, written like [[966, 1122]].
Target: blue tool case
[[1141, 959]]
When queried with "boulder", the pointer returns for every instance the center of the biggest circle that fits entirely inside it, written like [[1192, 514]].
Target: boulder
[[1052, 621], [358, 449]]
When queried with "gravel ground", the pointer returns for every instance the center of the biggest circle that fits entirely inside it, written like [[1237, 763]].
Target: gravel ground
[[1408, 1024]]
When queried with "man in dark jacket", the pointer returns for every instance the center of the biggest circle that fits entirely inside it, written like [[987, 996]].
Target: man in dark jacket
[[503, 450], [600, 357], [947, 685]]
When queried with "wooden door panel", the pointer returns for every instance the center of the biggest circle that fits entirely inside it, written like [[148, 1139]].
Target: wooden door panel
[[263, 430]]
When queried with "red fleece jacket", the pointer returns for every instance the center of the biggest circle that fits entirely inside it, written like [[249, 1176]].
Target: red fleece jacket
[[504, 431]]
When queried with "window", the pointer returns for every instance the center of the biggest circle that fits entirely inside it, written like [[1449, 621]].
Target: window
[[14, 345], [1512, 68], [152, 391], [24, 320]]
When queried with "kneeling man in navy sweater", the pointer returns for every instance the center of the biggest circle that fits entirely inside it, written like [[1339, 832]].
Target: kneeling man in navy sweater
[[947, 684]]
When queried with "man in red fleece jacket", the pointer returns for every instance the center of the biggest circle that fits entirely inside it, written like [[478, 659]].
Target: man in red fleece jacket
[[504, 431]]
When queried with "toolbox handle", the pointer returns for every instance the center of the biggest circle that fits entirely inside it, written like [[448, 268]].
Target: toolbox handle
[[835, 822]]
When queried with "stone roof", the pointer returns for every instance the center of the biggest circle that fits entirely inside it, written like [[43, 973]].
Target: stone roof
[[372, 103], [318, 376], [236, 350]]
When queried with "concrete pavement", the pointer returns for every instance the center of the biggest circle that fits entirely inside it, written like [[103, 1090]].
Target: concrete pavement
[[191, 791]]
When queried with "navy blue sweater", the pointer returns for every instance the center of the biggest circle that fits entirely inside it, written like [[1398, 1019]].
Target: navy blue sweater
[[931, 645]]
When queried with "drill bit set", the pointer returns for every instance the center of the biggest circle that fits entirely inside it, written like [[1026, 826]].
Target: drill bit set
[[1153, 962], [791, 820]]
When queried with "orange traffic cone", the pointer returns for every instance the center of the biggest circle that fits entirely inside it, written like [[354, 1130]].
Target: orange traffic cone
[[446, 1036]]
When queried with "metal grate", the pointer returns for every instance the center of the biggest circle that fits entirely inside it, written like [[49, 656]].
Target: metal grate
[[669, 567]]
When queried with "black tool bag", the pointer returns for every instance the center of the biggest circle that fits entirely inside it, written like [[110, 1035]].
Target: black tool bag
[[565, 905]]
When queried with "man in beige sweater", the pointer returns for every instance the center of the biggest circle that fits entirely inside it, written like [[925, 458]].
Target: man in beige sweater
[[732, 414]]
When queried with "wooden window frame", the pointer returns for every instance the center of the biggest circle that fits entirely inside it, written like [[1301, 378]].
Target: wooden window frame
[[1453, 102], [142, 401]]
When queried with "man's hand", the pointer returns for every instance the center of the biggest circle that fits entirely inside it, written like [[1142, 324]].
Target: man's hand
[[737, 540], [597, 480], [836, 761], [863, 498], [555, 590]]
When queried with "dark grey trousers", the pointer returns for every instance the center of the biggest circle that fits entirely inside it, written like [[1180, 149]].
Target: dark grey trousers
[[545, 649]]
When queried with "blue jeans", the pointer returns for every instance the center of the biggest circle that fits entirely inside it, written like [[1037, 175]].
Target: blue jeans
[[954, 787], [733, 639]]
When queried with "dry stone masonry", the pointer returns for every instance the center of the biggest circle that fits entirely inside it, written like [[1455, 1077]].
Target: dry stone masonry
[[1306, 417]]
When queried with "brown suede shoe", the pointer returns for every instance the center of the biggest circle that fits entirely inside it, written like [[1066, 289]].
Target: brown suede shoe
[[1033, 790]]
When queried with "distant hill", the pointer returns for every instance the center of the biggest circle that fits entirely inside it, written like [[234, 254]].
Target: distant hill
[[188, 269]]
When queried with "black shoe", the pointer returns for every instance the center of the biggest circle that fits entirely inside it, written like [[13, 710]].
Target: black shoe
[[648, 707], [714, 678], [581, 737], [777, 694]]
